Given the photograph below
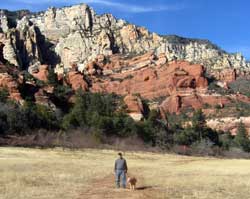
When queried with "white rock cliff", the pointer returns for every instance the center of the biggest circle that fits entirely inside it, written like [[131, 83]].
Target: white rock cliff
[[76, 35]]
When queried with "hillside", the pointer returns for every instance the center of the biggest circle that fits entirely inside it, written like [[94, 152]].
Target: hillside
[[68, 68]]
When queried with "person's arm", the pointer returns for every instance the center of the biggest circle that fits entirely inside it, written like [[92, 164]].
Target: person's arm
[[125, 166], [115, 166]]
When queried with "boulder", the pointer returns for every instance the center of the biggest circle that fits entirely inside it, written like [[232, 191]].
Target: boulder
[[171, 104], [76, 80], [134, 107]]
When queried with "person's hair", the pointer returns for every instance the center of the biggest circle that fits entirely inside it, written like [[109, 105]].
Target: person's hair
[[120, 154]]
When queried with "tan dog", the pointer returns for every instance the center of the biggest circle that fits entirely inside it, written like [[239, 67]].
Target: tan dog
[[132, 183]]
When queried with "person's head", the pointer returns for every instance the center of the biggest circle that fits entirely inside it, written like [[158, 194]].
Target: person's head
[[120, 154]]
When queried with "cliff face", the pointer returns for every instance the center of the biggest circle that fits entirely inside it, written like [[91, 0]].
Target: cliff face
[[76, 35]]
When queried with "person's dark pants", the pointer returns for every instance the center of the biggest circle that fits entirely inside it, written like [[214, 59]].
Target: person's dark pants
[[120, 175]]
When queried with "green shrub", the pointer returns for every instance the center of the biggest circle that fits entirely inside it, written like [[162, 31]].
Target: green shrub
[[3, 123], [241, 85], [4, 95], [52, 78], [226, 140]]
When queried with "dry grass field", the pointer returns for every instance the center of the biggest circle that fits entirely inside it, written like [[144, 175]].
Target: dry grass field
[[88, 174]]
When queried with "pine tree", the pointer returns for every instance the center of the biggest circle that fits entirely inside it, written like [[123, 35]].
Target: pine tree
[[199, 123], [241, 139]]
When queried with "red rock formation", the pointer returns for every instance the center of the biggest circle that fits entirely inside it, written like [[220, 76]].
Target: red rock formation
[[183, 84], [134, 106], [76, 80], [154, 82], [8, 82], [119, 62], [175, 103], [172, 104]]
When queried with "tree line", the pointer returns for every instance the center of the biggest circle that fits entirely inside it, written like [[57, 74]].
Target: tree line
[[106, 115]]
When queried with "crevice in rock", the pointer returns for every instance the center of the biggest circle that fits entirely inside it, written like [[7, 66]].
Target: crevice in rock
[[2, 60], [113, 46], [46, 50]]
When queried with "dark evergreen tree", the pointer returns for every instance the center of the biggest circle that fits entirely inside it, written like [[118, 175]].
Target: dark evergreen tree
[[199, 123], [241, 139]]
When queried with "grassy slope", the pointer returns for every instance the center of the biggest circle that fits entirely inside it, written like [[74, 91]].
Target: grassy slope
[[50, 174]]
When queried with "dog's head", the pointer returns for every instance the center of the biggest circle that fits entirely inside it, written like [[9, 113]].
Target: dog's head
[[132, 180]]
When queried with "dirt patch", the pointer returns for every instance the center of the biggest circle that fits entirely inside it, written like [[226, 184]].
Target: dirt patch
[[105, 189]]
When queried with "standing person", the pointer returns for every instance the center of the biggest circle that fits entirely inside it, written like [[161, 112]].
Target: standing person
[[120, 171]]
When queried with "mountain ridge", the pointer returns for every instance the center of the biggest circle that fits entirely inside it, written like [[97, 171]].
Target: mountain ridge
[[61, 27]]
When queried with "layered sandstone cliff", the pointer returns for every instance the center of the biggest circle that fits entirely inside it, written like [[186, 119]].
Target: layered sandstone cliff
[[77, 34]]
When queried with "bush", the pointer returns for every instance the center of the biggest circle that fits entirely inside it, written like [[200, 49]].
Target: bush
[[241, 85], [52, 78], [4, 95], [197, 132], [226, 140], [213, 87], [16, 119], [186, 136], [3, 124], [204, 147]]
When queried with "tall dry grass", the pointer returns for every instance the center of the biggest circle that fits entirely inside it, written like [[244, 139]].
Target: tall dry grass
[[66, 174]]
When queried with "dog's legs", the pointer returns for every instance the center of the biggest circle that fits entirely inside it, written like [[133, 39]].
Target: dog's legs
[[130, 186]]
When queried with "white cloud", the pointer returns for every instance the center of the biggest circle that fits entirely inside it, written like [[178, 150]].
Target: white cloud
[[113, 4]]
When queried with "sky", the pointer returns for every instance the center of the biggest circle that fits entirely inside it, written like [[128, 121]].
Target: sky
[[223, 22]]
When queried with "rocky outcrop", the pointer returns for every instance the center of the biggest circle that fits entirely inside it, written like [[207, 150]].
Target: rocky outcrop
[[76, 80], [77, 35], [172, 104], [225, 75], [42, 73], [20, 45], [181, 101], [7, 81], [134, 106], [175, 86], [141, 75], [229, 124]]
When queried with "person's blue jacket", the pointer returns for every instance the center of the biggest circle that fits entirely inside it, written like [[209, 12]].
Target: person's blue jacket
[[121, 164]]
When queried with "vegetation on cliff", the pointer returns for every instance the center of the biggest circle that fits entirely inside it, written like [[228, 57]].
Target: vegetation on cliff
[[105, 117]]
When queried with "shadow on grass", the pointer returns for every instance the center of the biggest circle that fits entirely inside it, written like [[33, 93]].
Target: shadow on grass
[[144, 187]]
